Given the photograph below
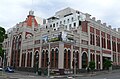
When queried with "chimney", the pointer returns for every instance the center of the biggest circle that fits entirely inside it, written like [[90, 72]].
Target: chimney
[[114, 29], [118, 29], [31, 12], [87, 15], [104, 24], [93, 18], [109, 26], [99, 21]]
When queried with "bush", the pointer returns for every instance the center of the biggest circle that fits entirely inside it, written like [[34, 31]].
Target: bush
[[107, 63], [92, 65]]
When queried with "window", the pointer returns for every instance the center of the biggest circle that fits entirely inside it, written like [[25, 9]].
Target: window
[[46, 27], [50, 25], [78, 17], [64, 21], [72, 19], [97, 40], [42, 58], [65, 58], [52, 59], [54, 25], [56, 58], [60, 22], [92, 39], [57, 24], [68, 20], [70, 26], [74, 25]]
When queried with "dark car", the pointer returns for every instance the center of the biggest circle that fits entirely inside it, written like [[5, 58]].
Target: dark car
[[9, 69]]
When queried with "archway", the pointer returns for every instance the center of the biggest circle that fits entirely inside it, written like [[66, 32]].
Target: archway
[[84, 60], [36, 61]]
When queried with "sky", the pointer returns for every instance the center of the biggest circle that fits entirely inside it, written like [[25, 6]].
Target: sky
[[15, 11]]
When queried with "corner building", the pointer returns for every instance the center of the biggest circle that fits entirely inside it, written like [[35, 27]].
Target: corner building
[[67, 37]]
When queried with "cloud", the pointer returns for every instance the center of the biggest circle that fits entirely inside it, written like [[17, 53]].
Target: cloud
[[15, 11]]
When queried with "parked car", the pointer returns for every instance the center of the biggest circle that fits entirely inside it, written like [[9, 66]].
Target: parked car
[[9, 69], [1, 69]]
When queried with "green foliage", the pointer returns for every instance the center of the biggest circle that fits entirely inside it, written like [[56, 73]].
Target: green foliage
[[107, 63], [2, 37], [1, 52], [92, 65], [2, 34]]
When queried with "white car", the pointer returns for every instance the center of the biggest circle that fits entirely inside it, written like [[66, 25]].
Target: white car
[[1, 69]]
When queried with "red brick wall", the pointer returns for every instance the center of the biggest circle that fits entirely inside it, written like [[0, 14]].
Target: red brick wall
[[84, 26]]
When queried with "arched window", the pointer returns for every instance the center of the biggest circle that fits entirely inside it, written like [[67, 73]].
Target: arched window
[[36, 59], [30, 58], [46, 58], [65, 55], [69, 59], [52, 59], [23, 59], [19, 42], [56, 57], [84, 60], [77, 59], [42, 58]]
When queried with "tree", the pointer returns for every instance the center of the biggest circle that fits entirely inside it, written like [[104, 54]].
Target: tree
[[2, 37], [107, 63], [92, 65]]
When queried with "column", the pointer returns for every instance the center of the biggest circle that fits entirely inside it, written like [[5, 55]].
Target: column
[[95, 60], [106, 40], [20, 58], [101, 58], [72, 56], [95, 49], [61, 56], [88, 55], [116, 52], [40, 56], [80, 58], [111, 48], [26, 59], [89, 44], [32, 64]]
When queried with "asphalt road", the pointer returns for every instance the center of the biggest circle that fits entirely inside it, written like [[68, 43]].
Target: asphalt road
[[98, 75]]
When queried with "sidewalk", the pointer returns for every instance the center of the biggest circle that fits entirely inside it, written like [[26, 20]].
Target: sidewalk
[[3, 75], [87, 74]]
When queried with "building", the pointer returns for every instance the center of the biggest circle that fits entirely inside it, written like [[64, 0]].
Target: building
[[67, 37]]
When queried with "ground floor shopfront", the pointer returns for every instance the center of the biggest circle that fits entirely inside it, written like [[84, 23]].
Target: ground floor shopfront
[[62, 56]]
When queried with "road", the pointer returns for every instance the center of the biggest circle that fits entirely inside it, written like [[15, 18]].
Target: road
[[98, 75]]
